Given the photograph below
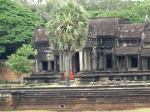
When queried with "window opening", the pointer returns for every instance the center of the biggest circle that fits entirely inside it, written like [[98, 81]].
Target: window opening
[[109, 61], [45, 65], [134, 62]]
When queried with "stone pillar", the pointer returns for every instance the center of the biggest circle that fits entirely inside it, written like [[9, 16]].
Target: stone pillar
[[139, 62], [113, 62], [81, 60], [104, 61], [49, 65], [144, 77], [85, 60], [97, 59], [126, 63], [94, 55], [135, 78], [36, 64], [55, 64], [117, 63], [60, 62], [63, 67], [88, 60], [40, 66], [101, 61], [91, 60]]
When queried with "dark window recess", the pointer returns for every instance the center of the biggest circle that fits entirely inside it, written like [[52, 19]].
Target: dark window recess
[[45, 65], [134, 62], [148, 64], [77, 64], [109, 61], [52, 65]]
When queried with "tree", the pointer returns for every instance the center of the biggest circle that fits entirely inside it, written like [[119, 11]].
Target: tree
[[67, 29], [19, 62], [113, 5], [17, 25]]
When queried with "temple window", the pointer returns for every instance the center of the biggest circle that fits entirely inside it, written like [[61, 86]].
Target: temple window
[[109, 61], [45, 65], [134, 62]]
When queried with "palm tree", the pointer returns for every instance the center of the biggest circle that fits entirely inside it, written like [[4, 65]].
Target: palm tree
[[67, 28]]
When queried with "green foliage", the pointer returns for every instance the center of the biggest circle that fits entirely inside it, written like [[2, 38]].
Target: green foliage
[[134, 11], [17, 25], [114, 5], [19, 62], [128, 15], [2, 49], [67, 26]]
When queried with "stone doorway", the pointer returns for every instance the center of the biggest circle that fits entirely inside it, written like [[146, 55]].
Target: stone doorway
[[77, 64], [44, 66], [109, 61], [134, 63]]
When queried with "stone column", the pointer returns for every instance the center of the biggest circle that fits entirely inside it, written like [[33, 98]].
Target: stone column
[[36, 64], [88, 60], [60, 62], [113, 62], [144, 77], [97, 59], [63, 63], [36, 61], [40, 66], [55, 64], [100, 62], [117, 63], [94, 55], [49, 65], [91, 60], [126, 63], [104, 61], [85, 60], [135, 78], [81, 60]]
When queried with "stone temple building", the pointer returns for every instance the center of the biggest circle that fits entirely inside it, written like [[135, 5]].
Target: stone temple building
[[116, 49]]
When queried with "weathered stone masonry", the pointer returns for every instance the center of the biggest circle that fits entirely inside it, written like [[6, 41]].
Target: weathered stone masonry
[[114, 48]]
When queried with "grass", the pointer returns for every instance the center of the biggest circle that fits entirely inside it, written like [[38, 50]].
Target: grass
[[44, 85], [136, 110], [58, 85]]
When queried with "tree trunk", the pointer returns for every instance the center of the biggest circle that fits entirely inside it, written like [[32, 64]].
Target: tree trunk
[[67, 71]]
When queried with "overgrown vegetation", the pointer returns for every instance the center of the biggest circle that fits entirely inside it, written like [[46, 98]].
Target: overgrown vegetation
[[17, 25], [134, 11], [19, 62], [17, 21]]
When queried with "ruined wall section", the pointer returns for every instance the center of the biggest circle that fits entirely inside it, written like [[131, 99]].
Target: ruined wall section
[[6, 74]]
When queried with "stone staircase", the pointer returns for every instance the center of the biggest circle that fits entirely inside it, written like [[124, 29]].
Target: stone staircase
[[80, 98], [43, 77], [93, 76]]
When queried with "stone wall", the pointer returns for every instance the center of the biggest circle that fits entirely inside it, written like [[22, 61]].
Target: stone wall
[[6, 74]]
